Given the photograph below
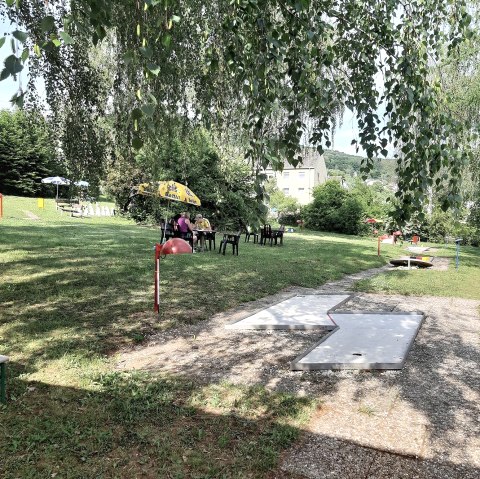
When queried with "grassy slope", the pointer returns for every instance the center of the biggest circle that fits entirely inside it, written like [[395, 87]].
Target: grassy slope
[[73, 291]]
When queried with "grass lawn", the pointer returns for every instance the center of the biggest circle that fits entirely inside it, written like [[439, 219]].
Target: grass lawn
[[74, 291], [461, 283]]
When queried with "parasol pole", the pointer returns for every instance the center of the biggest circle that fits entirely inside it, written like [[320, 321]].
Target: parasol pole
[[57, 194], [165, 225]]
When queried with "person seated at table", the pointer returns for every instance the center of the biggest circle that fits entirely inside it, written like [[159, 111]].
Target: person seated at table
[[202, 223], [174, 223], [186, 227]]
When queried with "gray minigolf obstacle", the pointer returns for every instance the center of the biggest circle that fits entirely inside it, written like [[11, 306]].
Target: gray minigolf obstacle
[[363, 341], [355, 340], [309, 312]]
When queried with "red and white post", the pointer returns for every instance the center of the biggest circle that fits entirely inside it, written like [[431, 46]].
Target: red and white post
[[158, 249]]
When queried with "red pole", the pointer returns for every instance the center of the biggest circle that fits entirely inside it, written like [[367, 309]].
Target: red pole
[[379, 246], [158, 249]]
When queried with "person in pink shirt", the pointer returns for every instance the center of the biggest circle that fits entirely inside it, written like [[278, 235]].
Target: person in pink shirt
[[185, 227]]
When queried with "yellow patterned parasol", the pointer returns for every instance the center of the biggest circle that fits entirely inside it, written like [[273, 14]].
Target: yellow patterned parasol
[[170, 190]]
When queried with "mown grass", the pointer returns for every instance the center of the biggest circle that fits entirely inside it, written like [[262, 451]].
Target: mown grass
[[461, 283], [74, 291]]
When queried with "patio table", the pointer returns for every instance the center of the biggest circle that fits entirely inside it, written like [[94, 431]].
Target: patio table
[[202, 236]]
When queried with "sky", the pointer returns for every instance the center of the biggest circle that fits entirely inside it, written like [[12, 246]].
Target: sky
[[341, 141]]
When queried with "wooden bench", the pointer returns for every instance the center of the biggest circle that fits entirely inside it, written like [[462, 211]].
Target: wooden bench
[[74, 212], [65, 202], [3, 378]]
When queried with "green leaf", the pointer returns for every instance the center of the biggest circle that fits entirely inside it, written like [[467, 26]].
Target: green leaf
[[128, 57], [67, 39], [25, 54], [13, 64], [9, 2], [153, 99], [20, 36], [155, 69], [137, 143], [166, 40], [47, 23], [147, 52], [17, 99], [56, 42], [148, 109], [36, 49], [2, 41], [175, 18], [4, 74], [137, 113]]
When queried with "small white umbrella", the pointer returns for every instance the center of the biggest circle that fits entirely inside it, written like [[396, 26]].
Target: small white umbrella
[[56, 180], [86, 184]]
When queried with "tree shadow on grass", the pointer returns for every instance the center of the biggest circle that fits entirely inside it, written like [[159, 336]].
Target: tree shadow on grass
[[133, 425], [127, 425]]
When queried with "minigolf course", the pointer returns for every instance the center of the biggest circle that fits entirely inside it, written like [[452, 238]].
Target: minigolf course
[[363, 341], [355, 340], [297, 313]]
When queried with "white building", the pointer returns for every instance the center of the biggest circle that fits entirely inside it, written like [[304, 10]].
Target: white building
[[299, 182]]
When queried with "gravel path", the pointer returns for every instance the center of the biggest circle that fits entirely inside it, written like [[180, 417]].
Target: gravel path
[[422, 421]]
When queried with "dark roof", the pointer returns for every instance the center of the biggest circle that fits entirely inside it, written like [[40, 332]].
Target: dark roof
[[311, 158]]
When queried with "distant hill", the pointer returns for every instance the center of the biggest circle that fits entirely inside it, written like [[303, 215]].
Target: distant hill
[[349, 165]]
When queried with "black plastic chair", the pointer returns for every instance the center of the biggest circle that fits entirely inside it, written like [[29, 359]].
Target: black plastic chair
[[166, 233], [266, 234], [250, 232], [187, 237], [230, 238], [278, 235]]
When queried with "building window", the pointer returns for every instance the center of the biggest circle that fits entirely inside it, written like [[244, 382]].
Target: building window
[[286, 190], [301, 174], [301, 189], [286, 174]]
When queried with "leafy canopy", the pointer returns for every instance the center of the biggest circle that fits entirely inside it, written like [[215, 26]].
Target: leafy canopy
[[279, 69]]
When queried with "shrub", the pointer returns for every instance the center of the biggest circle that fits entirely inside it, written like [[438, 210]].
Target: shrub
[[469, 234], [334, 209], [440, 225]]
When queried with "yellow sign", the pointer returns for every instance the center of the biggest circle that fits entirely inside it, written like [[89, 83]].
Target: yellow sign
[[41, 203]]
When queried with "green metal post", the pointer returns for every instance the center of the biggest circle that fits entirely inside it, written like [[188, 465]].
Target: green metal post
[[3, 382]]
